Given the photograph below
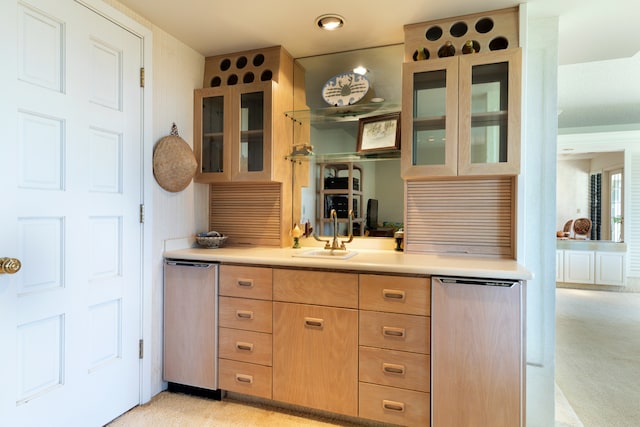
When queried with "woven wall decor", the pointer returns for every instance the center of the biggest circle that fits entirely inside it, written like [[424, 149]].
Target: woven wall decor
[[174, 164]]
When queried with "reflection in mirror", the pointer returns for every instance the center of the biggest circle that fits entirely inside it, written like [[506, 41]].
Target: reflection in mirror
[[590, 185], [333, 135]]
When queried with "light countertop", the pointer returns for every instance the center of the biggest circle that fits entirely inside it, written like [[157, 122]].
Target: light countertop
[[591, 245], [383, 260]]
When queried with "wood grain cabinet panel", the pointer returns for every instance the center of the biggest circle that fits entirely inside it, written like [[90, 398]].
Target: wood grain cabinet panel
[[395, 368], [395, 294], [394, 405], [247, 314], [246, 282], [190, 337], [245, 346], [245, 378], [395, 331], [316, 287], [315, 360], [478, 354]]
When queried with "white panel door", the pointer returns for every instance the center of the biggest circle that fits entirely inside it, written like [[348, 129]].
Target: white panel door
[[71, 179]]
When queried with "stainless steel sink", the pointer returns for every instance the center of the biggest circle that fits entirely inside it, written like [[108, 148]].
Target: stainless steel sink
[[326, 254]]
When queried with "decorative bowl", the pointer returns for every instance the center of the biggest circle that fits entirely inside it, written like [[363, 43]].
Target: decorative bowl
[[211, 241]]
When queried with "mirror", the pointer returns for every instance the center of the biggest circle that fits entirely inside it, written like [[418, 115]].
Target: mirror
[[576, 188], [334, 133]]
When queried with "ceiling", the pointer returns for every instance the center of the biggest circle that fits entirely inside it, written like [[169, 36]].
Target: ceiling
[[599, 41]]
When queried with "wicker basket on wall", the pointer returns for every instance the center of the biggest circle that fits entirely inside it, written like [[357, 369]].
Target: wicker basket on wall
[[174, 164]]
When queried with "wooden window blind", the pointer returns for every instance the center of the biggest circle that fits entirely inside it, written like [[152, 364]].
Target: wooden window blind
[[248, 213], [473, 216]]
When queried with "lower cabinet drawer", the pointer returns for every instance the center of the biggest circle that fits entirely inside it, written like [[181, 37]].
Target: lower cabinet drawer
[[395, 368], [245, 346], [394, 405], [395, 331], [246, 314], [245, 378]]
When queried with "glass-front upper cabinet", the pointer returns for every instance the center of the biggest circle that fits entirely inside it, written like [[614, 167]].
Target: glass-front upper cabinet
[[430, 103], [233, 133], [489, 113], [214, 159], [461, 115], [251, 154]]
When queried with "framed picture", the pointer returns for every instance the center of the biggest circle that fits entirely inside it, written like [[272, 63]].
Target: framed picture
[[379, 133]]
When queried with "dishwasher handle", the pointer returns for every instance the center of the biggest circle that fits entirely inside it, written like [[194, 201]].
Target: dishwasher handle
[[189, 263], [477, 282]]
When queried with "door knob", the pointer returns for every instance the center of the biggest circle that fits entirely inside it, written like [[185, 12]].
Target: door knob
[[9, 265]]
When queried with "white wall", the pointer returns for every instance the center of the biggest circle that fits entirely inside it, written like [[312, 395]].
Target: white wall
[[176, 71], [572, 190]]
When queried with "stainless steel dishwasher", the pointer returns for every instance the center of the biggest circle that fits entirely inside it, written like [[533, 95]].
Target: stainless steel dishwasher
[[191, 323], [477, 352]]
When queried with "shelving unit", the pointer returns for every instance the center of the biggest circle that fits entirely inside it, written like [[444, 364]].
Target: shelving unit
[[340, 188]]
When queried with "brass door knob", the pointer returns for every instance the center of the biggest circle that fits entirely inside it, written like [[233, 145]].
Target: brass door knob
[[9, 265]]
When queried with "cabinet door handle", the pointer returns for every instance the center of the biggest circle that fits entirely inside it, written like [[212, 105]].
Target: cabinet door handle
[[313, 322], [246, 379], [245, 283], [393, 294], [391, 405], [246, 346], [389, 331], [391, 368], [244, 314]]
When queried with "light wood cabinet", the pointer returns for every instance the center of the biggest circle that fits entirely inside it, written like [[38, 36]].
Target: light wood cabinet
[[315, 340], [233, 132], [316, 357], [394, 363], [245, 325], [461, 115], [478, 362], [190, 335], [239, 122]]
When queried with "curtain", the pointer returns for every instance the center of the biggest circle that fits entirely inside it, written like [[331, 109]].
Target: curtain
[[595, 205]]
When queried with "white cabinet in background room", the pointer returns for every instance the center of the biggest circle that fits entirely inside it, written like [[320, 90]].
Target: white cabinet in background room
[[610, 268], [579, 266], [590, 267]]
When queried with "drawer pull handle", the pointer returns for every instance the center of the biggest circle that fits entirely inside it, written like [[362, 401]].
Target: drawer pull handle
[[391, 368], [246, 379], [389, 331], [393, 294], [247, 283], [390, 405], [244, 314], [246, 346], [313, 322]]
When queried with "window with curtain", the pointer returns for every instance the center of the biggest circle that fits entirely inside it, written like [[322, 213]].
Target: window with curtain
[[595, 202]]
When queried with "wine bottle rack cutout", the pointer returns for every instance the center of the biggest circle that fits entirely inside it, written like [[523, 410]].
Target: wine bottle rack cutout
[[488, 31], [243, 67]]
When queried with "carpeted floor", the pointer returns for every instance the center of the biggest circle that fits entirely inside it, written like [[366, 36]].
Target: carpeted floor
[[598, 355], [180, 410]]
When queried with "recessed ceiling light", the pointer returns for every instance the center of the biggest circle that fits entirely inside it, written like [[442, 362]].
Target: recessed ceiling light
[[330, 21]]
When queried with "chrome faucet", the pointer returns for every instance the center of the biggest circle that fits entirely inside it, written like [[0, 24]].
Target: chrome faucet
[[335, 243]]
